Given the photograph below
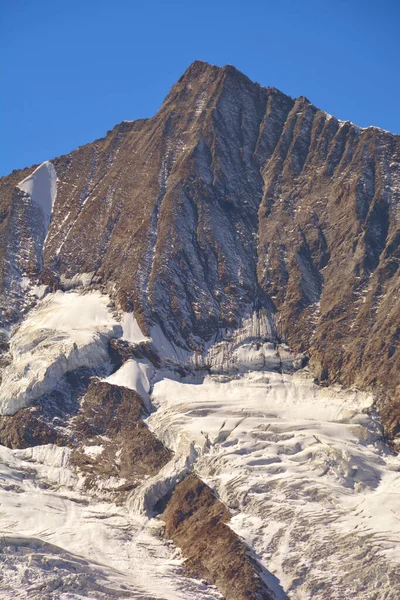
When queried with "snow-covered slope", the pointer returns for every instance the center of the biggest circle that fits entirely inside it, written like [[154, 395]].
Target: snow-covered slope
[[315, 491], [312, 486], [41, 186], [64, 332], [60, 544]]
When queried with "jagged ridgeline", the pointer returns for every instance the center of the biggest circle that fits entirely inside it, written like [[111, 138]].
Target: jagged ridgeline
[[231, 199]]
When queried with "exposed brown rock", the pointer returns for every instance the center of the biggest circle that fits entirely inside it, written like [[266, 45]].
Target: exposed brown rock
[[196, 521], [26, 429], [121, 351], [48, 422], [390, 414], [7, 223], [111, 416]]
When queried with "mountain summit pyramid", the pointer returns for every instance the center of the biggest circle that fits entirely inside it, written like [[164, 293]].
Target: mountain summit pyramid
[[233, 198], [199, 356]]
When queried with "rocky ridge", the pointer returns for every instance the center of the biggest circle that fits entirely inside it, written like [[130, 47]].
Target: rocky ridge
[[195, 519]]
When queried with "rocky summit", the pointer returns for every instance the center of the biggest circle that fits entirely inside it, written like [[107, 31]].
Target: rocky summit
[[200, 327]]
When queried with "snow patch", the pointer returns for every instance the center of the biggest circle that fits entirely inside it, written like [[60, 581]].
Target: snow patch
[[135, 375], [38, 290], [166, 349], [41, 186], [93, 451], [131, 331]]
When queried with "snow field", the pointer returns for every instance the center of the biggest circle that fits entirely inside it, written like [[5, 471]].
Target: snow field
[[313, 489], [64, 332]]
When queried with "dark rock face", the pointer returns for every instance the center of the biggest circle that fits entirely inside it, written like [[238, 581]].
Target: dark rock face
[[196, 521], [17, 232], [28, 428], [111, 417], [48, 421], [232, 198], [121, 351]]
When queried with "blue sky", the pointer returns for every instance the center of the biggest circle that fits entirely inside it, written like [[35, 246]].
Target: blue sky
[[73, 69]]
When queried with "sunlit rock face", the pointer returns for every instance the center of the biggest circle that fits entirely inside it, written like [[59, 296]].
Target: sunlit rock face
[[187, 295], [233, 198]]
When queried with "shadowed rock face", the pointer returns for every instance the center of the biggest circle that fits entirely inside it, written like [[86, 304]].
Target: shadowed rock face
[[196, 521], [49, 420], [234, 197]]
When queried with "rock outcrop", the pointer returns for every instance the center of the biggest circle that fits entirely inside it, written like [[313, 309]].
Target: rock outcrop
[[110, 422], [196, 521], [111, 446]]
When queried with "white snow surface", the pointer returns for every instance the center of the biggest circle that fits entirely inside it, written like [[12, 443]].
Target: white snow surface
[[60, 544], [131, 331], [41, 186], [63, 332], [167, 349], [135, 375], [93, 451], [313, 488]]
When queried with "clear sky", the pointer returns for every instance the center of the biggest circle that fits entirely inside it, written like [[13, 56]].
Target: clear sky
[[72, 69]]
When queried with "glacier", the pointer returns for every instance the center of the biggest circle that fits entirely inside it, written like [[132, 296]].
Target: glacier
[[314, 490], [312, 486], [63, 332], [57, 542]]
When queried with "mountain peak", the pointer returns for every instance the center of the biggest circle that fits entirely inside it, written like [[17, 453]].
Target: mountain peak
[[196, 68], [192, 263], [200, 68], [232, 191]]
